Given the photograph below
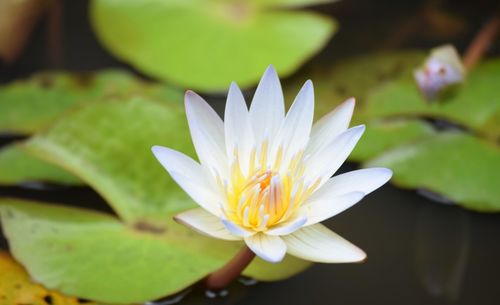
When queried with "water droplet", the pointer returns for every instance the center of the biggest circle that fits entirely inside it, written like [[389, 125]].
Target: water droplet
[[247, 281], [212, 294]]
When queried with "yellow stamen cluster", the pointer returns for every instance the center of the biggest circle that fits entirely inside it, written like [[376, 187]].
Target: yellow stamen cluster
[[267, 195]]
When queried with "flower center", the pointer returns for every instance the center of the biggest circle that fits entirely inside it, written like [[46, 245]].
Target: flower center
[[264, 198], [262, 201]]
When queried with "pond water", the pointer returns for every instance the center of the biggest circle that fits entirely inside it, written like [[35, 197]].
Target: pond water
[[419, 251]]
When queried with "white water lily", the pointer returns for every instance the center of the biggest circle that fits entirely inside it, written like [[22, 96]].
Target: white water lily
[[265, 177]]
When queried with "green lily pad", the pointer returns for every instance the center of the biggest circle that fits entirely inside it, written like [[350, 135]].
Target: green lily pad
[[120, 264], [52, 242], [17, 166], [107, 144], [456, 165], [289, 3], [381, 136], [352, 77], [27, 106], [476, 105], [205, 45]]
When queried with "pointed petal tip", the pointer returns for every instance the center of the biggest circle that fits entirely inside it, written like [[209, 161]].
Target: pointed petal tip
[[155, 148], [359, 256], [234, 91], [191, 97], [162, 153], [270, 73], [205, 223], [356, 131], [158, 151], [350, 101], [380, 174], [309, 86], [177, 218], [181, 219], [359, 128], [385, 172], [270, 67], [189, 94], [233, 86], [158, 148]]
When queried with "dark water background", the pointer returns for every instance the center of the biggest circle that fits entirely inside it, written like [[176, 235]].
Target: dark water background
[[419, 252]]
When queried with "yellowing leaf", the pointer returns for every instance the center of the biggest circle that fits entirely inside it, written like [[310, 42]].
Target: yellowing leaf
[[16, 288]]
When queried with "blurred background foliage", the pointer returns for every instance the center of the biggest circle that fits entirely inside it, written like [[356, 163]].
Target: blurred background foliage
[[70, 120]]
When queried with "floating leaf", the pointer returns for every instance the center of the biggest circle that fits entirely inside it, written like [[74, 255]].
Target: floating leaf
[[456, 165], [289, 3], [353, 77], [384, 135], [122, 264], [207, 44], [95, 256], [107, 144], [17, 288], [475, 105], [29, 105], [17, 166]]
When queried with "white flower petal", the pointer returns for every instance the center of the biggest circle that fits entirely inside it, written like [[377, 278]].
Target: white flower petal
[[238, 131], [268, 108], [175, 161], [267, 247], [206, 197], [327, 161], [288, 227], [318, 244], [326, 207], [330, 126], [296, 128], [235, 229], [207, 132], [205, 223], [363, 180]]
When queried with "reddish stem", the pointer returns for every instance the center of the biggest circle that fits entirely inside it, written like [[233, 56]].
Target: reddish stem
[[54, 34], [224, 276], [481, 42]]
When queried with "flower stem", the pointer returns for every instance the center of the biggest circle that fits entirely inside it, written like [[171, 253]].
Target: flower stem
[[481, 42], [222, 277]]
